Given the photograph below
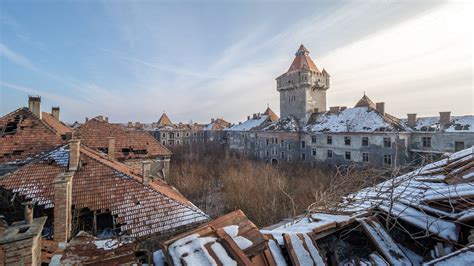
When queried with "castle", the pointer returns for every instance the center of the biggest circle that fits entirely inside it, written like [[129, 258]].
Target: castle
[[364, 134]]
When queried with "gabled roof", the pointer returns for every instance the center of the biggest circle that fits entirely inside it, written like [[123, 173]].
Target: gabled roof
[[217, 124], [128, 143], [101, 184], [365, 101], [164, 120], [23, 135], [57, 125], [302, 61], [271, 114]]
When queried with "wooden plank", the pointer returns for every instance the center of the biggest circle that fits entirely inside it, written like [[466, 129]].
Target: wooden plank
[[384, 243], [291, 250]]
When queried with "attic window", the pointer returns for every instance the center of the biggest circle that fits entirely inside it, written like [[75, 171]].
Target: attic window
[[140, 151], [104, 149]]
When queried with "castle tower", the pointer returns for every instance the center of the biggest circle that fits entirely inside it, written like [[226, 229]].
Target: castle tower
[[302, 88]]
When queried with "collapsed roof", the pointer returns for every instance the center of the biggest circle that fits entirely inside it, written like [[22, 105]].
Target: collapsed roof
[[104, 185]]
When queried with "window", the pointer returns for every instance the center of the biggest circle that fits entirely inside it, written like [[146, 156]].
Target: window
[[195, 134], [329, 153], [387, 159], [267, 141], [289, 158], [164, 135], [347, 141], [459, 146], [313, 139], [187, 134], [164, 142], [329, 140], [347, 155], [303, 156], [387, 143], [365, 156], [303, 144], [177, 141], [313, 152], [289, 146], [426, 142], [282, 143], [177, 135], [267, 153], [365, 141], [274, 151], [283, 155]]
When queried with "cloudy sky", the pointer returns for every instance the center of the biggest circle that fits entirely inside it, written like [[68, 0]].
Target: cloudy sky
[[196, 60]]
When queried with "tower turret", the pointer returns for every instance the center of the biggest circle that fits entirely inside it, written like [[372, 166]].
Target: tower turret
[[302, 88]]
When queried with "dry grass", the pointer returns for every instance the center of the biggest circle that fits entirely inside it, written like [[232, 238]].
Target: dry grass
[[218, 184]]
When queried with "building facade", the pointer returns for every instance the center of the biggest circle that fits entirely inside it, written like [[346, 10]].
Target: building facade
[[365, 134]]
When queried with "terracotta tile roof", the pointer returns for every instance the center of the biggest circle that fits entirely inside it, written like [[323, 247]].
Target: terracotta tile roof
[[105, 185], [57, 125], [271, 114], [218, 124], [164, 120], [24, 135], [128, 143], [302, 61], [365, 101]]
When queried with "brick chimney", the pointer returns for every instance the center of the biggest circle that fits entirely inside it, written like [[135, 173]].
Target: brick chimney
[[29, 207], [106, 119], [111, 147], [55, 112], [444, 118], [130, 124], [411, 120], [334, 109], [34, 104], [380, 108], [137, 125], [74, 154], [146, 168], [62, 206]]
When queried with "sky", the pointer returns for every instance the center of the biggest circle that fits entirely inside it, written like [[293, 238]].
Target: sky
[[197, 60]]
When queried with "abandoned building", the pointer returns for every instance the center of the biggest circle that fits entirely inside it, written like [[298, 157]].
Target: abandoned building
[[171, 134], [132, 147], [422, 217], [27, 132], [365, 134], [82, 191]]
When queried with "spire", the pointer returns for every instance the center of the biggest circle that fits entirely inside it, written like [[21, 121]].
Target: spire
[[302, 61]]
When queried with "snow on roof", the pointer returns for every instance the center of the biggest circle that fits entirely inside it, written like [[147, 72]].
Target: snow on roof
[[250, 124], [463, 256], [284, 124], [462, 123], [458, 124], [421, 196], [357, 119]]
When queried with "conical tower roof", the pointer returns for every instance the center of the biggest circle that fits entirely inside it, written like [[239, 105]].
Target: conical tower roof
[[365, 101], [164, 120], [302, 61]]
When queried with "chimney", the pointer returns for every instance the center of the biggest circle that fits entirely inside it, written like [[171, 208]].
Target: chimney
[[74, 154], [380, 107], [212, 120], [3, 224], [130, 124], [29, 206], [248, 117], [343, 108], [444, 118], [106, 119], [334, 109], [137, 124], [146, 167], [411, 120], [62, 186], [34, 104], [55, 112], [254, 116], [111, 147], [87, 119]]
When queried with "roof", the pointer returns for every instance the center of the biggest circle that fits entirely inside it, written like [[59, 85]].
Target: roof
[[252, 124], [357, 119], [458, 124], [57, 125], [285, 124], [365, 101], [271, 114], [105, 185], [164, 120], [302, 61], [435, 198], [23, 135], [217, 124], [228, 240], [128, 143]]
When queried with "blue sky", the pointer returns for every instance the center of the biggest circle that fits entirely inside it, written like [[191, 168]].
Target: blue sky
[[197, 60]]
